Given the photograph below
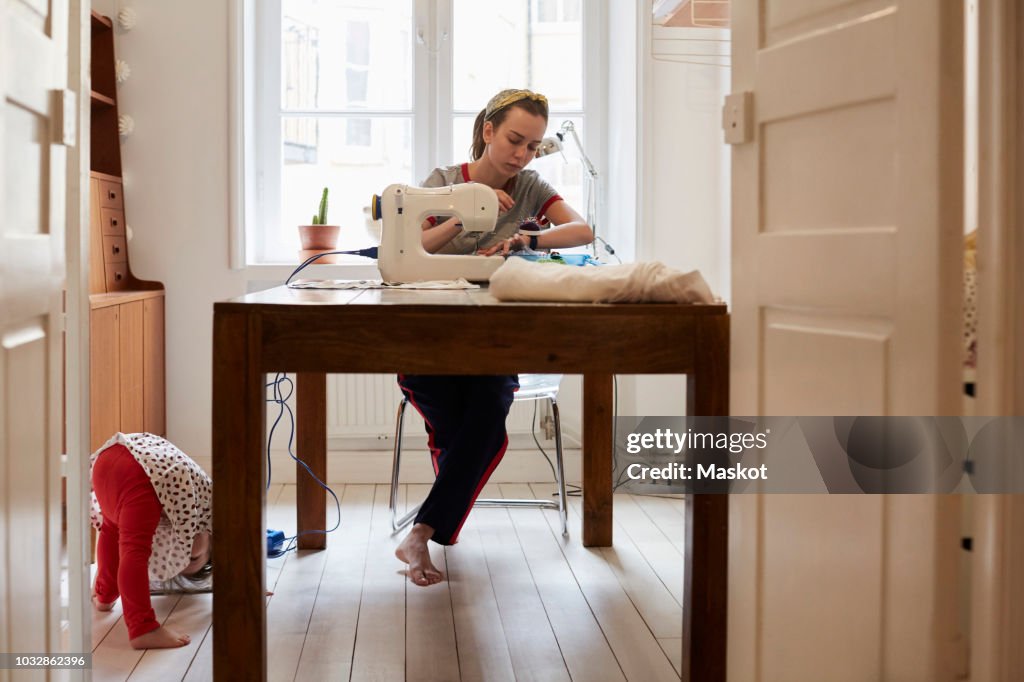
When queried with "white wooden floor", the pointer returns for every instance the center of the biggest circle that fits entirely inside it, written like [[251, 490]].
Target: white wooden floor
[[520, 602]]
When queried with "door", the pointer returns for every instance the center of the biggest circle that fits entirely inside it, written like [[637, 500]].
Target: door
[[847, 205], [33, 74]]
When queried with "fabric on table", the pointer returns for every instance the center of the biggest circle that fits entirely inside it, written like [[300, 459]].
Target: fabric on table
[[647, 282]]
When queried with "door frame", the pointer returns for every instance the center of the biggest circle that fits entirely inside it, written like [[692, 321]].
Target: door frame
[[76, 363], [996, 631]]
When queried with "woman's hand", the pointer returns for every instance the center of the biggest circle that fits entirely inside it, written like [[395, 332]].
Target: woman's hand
[[505, 202], [505, 246]]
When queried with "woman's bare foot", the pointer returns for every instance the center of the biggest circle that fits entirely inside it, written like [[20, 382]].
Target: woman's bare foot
[[161, 638], [414, 552], [100, 606]]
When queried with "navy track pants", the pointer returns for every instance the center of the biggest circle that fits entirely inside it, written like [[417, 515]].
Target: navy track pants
[[465, 421]]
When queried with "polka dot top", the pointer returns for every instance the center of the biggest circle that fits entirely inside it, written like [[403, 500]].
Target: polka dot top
[[185, 493]]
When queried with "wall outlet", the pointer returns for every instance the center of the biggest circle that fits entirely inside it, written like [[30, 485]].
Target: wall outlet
[[548, 424]]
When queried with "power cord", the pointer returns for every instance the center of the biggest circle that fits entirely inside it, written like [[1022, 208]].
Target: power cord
[[608, 248], [369, 252], [576, 490], [279, 398]]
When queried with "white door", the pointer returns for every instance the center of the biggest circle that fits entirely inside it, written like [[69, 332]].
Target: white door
[[847, 208], [33, 73]]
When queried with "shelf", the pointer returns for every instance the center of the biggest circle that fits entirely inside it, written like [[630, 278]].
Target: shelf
[[100, 101], [119, 297]]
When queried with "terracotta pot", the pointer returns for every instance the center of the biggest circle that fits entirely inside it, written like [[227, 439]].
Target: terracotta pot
[[318, 237]]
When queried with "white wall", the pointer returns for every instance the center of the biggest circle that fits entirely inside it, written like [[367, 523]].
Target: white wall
[[684, 218], [176, 187]]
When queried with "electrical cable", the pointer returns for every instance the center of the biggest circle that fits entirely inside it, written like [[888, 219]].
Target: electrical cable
[[576, 490], [368, 252], [608, 248], [281, 401]]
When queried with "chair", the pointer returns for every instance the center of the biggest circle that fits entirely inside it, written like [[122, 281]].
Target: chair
[[531, 387]]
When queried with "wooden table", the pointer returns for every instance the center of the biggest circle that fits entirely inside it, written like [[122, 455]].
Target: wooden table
[[315, 332]]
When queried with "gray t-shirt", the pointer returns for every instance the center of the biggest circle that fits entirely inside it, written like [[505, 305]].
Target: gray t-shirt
[[532, 196]]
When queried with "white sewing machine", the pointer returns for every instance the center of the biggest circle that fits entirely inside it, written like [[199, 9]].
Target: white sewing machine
[[403, 208]]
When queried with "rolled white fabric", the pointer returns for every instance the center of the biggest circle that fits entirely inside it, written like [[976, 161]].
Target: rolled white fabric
[[648, 282]]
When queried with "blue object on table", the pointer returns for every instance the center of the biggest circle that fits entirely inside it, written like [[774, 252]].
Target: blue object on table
[[559, 258]]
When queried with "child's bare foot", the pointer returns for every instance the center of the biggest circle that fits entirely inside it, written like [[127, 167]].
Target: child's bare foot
[[414, 552], [100, 606], [161, 638]]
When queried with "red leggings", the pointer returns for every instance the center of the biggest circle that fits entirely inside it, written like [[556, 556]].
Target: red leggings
[[131, 512]]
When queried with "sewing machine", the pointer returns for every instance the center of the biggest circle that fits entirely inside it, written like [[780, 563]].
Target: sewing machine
[[403, 208]]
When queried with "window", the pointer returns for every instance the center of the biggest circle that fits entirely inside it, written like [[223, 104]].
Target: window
[[355, 95]]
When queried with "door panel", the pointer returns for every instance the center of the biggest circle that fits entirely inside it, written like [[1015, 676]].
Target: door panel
[[855, 349], [847, 207], [33, 68], [846, 604], [25, 358]]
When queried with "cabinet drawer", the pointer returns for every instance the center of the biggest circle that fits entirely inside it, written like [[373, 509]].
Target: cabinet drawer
[[115, 250], [112, 221], [110, 195], [117, 276]]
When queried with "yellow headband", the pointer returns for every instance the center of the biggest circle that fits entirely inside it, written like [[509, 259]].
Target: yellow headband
[[507, 97]]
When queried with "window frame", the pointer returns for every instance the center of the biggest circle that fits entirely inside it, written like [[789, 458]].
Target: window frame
[[255, 154]]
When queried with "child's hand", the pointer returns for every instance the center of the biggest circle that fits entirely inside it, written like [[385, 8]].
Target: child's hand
[[100, 606]]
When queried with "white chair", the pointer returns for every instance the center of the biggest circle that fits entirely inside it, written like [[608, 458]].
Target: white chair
[[531, 387]]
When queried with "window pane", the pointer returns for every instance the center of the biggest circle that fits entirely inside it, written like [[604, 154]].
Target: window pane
[[328, 44], [547, 10], [353, 172], [564, 170], [504, 45], [570, 10]]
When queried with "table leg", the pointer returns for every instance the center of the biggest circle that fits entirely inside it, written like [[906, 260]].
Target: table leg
[[706, 554], [597, 460], [311, 440], [239, 516]]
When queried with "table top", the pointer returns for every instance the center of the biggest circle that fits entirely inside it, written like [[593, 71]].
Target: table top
[[273, 299], [464, 331]]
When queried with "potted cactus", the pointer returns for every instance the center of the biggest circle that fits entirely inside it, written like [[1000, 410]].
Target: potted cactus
[[319, 236]]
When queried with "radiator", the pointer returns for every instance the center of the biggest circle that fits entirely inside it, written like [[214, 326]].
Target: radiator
[[361, 410]]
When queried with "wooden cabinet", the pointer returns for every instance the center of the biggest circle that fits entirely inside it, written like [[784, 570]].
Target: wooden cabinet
[[127, 314], [104, 376], [127, 365]]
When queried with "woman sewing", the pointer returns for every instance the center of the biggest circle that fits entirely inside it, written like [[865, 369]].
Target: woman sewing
[[465, 415]]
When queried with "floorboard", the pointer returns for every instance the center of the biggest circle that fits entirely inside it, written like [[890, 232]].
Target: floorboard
[[521, 602]]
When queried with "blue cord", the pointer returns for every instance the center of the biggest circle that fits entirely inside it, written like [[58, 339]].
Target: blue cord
[[281, 400], [369, 252]]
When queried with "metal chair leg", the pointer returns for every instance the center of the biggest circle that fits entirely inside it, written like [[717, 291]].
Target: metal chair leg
[[396, 463], [559, 466]]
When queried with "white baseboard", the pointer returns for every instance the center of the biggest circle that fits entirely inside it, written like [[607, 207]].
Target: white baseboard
[[374, 466]]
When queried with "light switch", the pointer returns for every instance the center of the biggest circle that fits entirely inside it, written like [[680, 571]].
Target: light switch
[[738, 117]]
